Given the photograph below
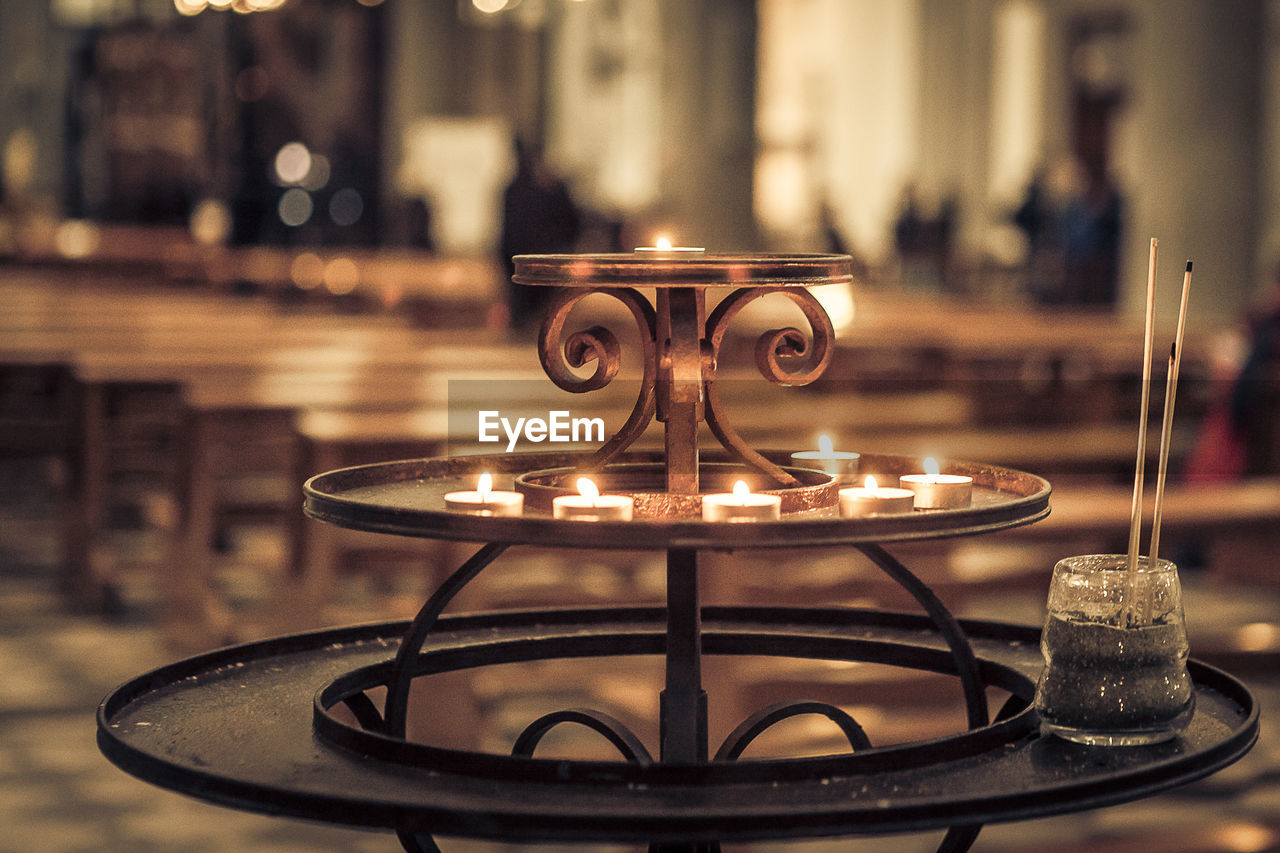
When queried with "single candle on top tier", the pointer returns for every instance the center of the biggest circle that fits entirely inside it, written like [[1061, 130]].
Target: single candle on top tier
[[741, 505], [935, 490], [841, 464], [485, 501], [873, 499], [665, 251], [590, 505]]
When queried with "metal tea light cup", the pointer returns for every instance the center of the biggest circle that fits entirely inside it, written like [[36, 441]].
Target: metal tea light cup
[[1115, 651]]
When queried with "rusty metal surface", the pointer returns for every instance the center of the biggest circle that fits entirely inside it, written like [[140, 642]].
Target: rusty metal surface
[[680, 343], [644, 482], [784, 357], [189, 727], [407, 498], [559, 352], [681, 313], [709, 270]]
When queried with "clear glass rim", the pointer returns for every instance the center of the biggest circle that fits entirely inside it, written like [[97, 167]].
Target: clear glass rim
[[1083, 564]]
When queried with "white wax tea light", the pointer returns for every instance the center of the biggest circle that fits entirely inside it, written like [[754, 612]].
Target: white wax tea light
[[872, 499], [590, 505], [934, 490], [664, 250], [841, 464], [741, 505], [485, 501]]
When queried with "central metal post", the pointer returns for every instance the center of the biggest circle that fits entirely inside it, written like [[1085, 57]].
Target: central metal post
[[681, 315], [683, 726]]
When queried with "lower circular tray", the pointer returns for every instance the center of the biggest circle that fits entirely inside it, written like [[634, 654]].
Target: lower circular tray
[[235, 727], [407, 498]]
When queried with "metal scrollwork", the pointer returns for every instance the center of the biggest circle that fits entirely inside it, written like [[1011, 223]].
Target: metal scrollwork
[[777, 348], [776, 352], [614, 731], [559, 353], [757, 723]]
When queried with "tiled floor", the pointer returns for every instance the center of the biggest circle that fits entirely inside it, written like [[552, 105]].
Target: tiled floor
[[58, 794]]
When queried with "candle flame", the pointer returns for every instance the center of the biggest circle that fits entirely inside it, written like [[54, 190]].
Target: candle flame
[[741, 490], [931, 467], [870, 483], [484, 485], [587, 488], [662, 243], [825, 446]]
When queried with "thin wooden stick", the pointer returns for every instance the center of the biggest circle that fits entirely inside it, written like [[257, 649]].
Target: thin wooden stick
[[1166, 430], [1135, 514]]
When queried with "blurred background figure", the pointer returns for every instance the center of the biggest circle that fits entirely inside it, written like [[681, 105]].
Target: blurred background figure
[[1072, 221], [1240, 435], [538, 217], [922, 238]]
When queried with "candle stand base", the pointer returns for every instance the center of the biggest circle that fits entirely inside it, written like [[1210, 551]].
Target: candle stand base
[[315, 725], [188, 727]]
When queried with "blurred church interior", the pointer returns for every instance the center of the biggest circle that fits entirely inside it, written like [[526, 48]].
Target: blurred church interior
[[243, 242]]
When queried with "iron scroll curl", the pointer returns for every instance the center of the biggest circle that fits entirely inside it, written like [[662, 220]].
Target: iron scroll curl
[[775, 352], [775, 345], [559, 353]]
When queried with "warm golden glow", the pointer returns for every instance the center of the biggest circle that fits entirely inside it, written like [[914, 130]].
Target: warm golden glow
[[662, 243], [489, 7], [484, 485], [741, 490], [1257, 636], [1247, 838], [825, 447], [341, 275], [837, 301], [307, 271], [76, 238], [870, 483], [18, 166], [210, 222], [587, 488], [931, 467]]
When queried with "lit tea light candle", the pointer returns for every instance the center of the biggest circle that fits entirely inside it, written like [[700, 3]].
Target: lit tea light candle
[[664, 250], [590, 505], [934, 490], [841, 464], [741, 505], [484, 500], [873, 499]]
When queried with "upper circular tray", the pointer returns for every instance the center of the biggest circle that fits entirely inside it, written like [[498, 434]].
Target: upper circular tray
[[695, 270], [235, 727], [407, 498]]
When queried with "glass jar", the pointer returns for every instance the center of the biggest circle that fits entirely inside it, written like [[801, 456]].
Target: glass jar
[[1115, 651]]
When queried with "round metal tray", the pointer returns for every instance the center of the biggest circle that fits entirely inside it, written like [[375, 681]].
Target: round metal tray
[[407, 498], [688, 270], [235, 727]]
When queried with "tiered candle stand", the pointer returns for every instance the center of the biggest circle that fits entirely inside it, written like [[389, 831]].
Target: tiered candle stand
[[268, 726]]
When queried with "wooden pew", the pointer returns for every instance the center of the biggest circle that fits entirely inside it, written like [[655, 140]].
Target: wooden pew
[[149, 345], [1230, 518], [429, 290]]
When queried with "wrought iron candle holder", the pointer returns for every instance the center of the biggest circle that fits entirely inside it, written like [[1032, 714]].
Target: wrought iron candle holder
[[681, 343], [291, 726]]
